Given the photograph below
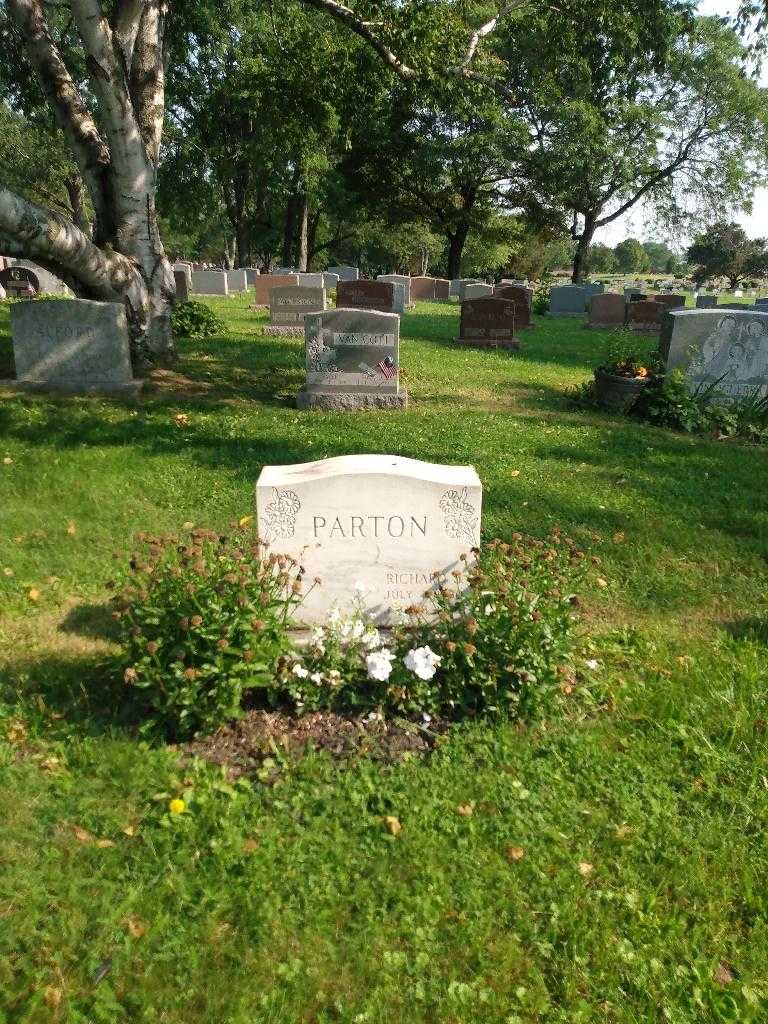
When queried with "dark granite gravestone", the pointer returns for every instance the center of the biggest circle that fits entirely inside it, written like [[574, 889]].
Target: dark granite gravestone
[[376, 295], [491, 322], [19, 282], [429, 289], [515, 292], [353, 361], [725, 353], [670, 301], [645, 315], [706, 301], [607, 310], [182, 279], [289, 304]]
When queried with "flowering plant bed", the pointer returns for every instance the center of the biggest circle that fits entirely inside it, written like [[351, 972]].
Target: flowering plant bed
[[207, 630]]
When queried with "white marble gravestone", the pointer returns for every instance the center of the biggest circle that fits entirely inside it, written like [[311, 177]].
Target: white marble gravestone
[[375, 529], [210, 282]]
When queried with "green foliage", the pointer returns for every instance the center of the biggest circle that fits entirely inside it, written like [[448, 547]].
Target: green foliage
[[495, 637], [624, 355], [195, 319], [602, 259], [631, 257], [203, 622], [725, 250], [669, 402]]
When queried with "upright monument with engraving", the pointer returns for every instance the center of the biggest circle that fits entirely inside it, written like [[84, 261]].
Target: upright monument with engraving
[[353, 361], [375, 529]]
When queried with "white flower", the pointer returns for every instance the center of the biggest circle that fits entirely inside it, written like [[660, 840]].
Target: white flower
[[299, 671], [371, 639], [334, 617], [423, 662], [490, 609], [358, 629], [593, 664], [379, 665], [317, 677]]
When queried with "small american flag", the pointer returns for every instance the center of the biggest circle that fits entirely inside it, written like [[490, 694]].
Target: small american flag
[[387, 367]]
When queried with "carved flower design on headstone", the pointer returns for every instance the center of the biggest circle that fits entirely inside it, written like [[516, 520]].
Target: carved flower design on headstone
[[459, 517], [280, 515]]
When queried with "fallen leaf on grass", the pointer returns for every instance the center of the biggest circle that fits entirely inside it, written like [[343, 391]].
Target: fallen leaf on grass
[[619, 538], [250, 845], [7, 572], [137, 929], [586, 869], [724, 973], [245, 521], [7, 461], [515, 853], [34, 594], [82, 835], [181, 419], [104, 844], [393, 826], [52, 997], [515, 472], [465, 810], [71, 529], [50, 764], [601, 582], [17, 732], [129, 830]]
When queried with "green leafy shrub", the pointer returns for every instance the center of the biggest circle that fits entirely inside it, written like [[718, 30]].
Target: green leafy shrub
[[624, 356], [195, 320], [495, 637], [540, 305], [669, 402], [204, 620]]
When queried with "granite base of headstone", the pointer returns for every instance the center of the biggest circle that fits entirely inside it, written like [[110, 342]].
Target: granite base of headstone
[[377, 531], [74, 346], [353, 361]]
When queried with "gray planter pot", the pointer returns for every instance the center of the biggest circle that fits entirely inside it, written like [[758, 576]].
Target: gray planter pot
[[618, 393]]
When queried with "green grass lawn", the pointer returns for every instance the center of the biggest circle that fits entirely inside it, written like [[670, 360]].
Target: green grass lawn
[[614, 868]]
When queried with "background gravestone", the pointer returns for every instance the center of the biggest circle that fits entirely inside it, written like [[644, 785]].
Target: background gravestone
[[515, 292], [47, 283], [345, 273], [72, 345], [264, 283], [725, 352], [330, 281], [670, 301], [390, 522], [311, 280], [237, 280], [477, 291], [405, 282], [442, 289], [462, 285], [19, 282], [353, 361], [251, 273], [490, 322], [645, 315], [568, 300], [706, 301], [289, 305], [376, 295], [607, 310], [210, 282], [181, 277], [593, 288]]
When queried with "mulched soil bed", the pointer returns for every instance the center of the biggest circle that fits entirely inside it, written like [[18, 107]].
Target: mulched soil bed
[[243, 745]]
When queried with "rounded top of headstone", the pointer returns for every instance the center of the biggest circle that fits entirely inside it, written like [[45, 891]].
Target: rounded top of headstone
[[369, 465]]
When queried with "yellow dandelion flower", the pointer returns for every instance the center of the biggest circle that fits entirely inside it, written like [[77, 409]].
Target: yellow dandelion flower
[[177, 806]]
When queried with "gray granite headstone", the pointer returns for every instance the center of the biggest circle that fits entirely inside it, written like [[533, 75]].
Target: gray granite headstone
[[402, 280], [237, 280], [345, 273], [47, 283], [210, 282], [330, 281], [251, 273], [463, 283], [289, 304], [353, 361], [568, 300], [725, 352], [72, 345], [477, 291], [311, 280], [593, 288]]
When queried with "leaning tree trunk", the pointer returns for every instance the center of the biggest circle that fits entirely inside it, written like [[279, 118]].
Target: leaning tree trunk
[[456, 242], [303, 218], [123, 260]]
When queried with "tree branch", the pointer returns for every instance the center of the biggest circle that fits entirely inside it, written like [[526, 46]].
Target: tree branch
[[356, 24], [41, 234], [72, 115]]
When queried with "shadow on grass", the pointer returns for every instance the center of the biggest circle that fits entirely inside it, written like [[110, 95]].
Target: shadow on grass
[[753, 628], [91, 620]]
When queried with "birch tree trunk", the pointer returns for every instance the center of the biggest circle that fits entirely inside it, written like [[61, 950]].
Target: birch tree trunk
[[116, 144]]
